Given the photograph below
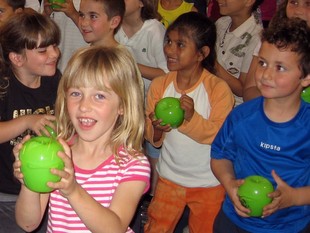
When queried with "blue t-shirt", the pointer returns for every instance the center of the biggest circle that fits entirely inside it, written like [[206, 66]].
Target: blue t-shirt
[[256, 146]]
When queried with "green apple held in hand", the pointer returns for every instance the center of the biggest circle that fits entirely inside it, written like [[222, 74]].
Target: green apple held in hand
[[253, 194], [169, 110], [305, 94], [38, 155], [55, 6]]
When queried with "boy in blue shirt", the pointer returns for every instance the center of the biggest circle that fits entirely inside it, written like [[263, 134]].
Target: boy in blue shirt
[[269, 136]]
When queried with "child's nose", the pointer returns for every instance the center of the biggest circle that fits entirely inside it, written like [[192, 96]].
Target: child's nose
[[84, 105]]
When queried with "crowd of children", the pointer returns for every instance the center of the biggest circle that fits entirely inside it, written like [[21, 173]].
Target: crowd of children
[[99, 67]]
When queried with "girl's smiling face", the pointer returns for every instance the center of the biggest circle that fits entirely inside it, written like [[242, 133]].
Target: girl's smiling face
[[93, 112], [181, 52]]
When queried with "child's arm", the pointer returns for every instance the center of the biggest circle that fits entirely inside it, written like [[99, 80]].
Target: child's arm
[[250, 91], [149, 72], [286, 196], [97, 218], [236, 84], [224, 172], [36, 122], [30, 206]]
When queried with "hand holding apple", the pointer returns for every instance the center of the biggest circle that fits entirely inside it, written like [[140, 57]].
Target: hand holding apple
[[253, 194], [169, 110], [38, 155]]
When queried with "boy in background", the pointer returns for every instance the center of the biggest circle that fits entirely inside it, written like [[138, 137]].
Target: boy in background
[[238, 33]]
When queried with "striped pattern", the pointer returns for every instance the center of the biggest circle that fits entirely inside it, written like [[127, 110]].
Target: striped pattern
[[101, 184]]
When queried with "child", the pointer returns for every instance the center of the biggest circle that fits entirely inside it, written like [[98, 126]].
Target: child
[[268, 136], [67, 18], [9, 8], [143, 35], [171, 9], [28, 87], [238, 33], [185, 177], [287, 9], [100, 20], [99, 110]]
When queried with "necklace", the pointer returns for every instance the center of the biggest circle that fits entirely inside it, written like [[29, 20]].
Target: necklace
[[223, 39]]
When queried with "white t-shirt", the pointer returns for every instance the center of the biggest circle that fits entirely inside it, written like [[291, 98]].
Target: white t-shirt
[[146, 46], [34, 4], [235, 49]]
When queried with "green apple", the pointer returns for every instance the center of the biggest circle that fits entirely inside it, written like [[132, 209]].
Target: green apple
[[305, 94], [169, 110], [55, 6], [38, 155], [253, 194]]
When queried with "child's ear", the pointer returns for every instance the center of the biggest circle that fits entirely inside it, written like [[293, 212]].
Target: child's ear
[[204, 51], [115, 21], [305, 82], [121, 111], [16, 59], [249, 3], [19, 10], [141, 4]]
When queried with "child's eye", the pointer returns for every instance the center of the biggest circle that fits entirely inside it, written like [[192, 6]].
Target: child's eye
[[293, 2], [262, 63], [93, 16], [100, 96], [280, 68], [42, 50], [181, 44], [74, 94], [168, 41], [81, 15]]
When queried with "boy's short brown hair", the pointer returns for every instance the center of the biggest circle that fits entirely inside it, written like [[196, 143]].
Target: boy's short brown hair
[[15, 4]]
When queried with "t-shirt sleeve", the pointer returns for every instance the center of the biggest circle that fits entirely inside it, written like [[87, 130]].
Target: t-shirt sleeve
[[138, 170]]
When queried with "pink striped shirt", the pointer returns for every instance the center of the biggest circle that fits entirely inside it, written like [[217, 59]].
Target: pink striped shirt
[[100, 183]]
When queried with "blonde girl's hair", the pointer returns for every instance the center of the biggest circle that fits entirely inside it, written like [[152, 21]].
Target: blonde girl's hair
[[93, 67]]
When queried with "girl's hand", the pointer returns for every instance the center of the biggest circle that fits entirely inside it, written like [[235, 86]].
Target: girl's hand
[[67, 184], [187, 104], [17, 164], [283, 196], [38, 122], [232, 189]]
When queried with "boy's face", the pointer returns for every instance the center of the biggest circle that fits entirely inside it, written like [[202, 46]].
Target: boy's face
[[299, 9], [278, 74], [94, 23], [6, 11]]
